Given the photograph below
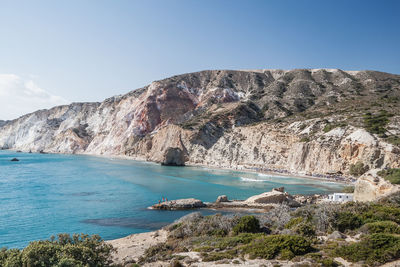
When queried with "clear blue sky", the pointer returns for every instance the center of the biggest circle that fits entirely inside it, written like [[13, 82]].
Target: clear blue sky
[[87, 50]]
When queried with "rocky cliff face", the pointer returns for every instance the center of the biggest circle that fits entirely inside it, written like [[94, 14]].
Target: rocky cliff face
[[310, 121]]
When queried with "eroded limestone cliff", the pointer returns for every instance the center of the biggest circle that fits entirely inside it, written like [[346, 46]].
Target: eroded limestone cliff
[[305, 121]]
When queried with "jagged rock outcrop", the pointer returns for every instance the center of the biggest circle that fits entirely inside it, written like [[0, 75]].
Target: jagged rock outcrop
[[273, 197], [304, 121], [371, 187], [180, 204], [222, 198]]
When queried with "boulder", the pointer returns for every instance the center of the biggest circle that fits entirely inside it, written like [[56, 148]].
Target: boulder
[[222, 198], [273, 197], [180, 204], [371, 187], [279, 189], [15, 159], [336, 235], [173, 156]]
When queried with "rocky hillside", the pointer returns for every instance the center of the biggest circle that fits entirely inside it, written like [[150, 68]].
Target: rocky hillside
[[305, 121]]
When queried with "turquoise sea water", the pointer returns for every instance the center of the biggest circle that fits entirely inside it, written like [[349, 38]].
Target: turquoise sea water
[[45, 194]]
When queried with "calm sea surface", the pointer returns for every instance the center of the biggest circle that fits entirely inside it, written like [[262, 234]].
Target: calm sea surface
[[45, 194]]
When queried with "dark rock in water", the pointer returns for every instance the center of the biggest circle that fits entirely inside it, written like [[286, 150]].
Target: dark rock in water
[[15, 159], [30, 151], [173, 156], [19, 151], [42, 152], [180, 204]]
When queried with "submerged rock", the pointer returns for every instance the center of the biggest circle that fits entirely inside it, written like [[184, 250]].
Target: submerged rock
[[180, 204], [15, 159]]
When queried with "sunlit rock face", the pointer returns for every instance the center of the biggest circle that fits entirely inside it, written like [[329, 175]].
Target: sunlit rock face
[[306, 121]]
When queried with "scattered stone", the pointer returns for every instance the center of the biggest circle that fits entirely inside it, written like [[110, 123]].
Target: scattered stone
[[180, 204], [15, 159], [222, 198], [336, 235]]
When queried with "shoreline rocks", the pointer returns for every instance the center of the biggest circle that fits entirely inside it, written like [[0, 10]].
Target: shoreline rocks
[[180, 204], [276, 196]]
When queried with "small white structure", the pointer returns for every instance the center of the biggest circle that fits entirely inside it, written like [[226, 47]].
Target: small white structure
[[340, 197]]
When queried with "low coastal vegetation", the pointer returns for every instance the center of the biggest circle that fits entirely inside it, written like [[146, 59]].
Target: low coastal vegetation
[[391, 175], [321, 234], [366, 233], [78, 250]]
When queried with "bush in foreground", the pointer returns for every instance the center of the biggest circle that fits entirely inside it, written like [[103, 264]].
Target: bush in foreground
[[66, 251], [247, 224], [374, 249], [287, 246]]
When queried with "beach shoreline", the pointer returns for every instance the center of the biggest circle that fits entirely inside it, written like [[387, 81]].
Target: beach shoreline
[[277, 173]]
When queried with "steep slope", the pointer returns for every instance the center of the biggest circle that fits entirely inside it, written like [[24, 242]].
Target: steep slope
[[299, 120]]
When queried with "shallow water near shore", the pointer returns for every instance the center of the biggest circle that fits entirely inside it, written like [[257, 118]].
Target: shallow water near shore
[[45, 194]]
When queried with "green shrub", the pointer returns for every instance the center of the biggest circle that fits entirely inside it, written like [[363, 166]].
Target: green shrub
[[305, 139], [294, 222], [379, 212], [330, 126], [77, 250], [305, 229], [271, 246], [348, 189], [346, 221], [391, 175], [233, 241], [216, 256], [10, 258], [394, 140], [374, 249], [384, 227], [358, 169], [376, 123], [247, 224]]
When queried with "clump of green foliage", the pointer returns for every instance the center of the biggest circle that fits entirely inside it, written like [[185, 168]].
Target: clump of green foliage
[[330, 126], [287, 246], [66, 251], [305, 139], [301, 226], [247, 224], [394, 140], [347, 221], [373, 249], [384, 227], [294, 222], [348, 189], [376, 123], [358, 169], [391, 175]]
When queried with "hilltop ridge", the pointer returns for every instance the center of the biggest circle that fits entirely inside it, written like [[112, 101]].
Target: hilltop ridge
[[302, 120]]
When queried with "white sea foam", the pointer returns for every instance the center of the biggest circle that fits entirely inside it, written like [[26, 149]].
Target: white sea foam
[[250, 180]]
